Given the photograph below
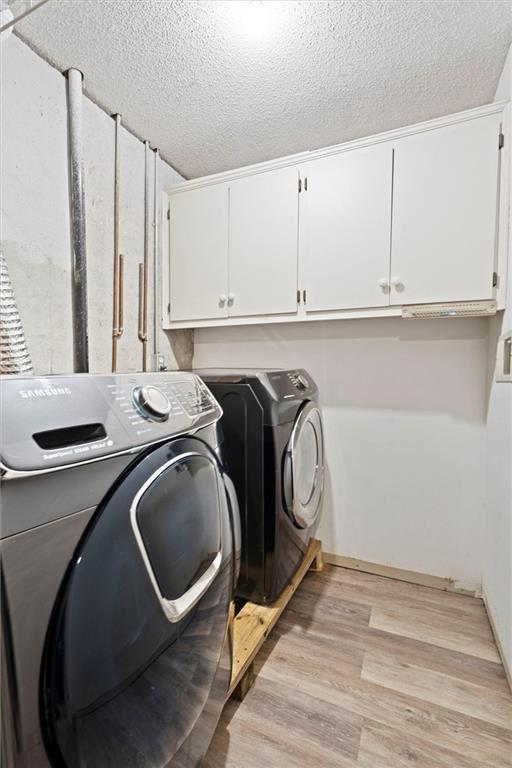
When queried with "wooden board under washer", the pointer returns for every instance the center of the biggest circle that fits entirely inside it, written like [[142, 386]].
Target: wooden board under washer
[[253, 623]]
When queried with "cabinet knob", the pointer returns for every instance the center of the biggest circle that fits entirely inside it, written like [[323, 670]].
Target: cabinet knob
[[397, 282], [384, 284], [222, 299], [231, 299]]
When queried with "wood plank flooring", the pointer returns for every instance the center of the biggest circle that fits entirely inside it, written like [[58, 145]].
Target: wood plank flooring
[[367, 672]]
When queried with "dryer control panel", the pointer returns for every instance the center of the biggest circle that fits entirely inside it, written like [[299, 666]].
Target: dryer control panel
[[59, 421], [298, 380], [280, 392]]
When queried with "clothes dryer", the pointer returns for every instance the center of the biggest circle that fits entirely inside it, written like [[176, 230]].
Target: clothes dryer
[[272, 444]]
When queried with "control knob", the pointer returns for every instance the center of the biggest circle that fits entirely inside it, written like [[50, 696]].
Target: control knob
[[152, 402]]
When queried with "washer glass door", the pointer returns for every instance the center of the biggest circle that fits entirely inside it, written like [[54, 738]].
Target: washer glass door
[[135, 669], [304, 467]]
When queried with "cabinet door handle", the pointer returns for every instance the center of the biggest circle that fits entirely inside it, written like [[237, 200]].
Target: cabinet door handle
[[384, 282], [222, 299], [231, 299]]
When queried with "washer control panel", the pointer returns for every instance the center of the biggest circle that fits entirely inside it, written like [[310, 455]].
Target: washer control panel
[[161, 403], [152, 402], [59, 421]]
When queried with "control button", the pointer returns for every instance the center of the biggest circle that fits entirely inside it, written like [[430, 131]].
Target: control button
[[301, 382], [152, 402]]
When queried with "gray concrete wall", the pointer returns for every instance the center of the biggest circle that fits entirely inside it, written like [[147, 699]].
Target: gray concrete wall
[[35, 223]]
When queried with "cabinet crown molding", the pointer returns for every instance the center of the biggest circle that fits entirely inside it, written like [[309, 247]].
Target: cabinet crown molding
[[366, 141]]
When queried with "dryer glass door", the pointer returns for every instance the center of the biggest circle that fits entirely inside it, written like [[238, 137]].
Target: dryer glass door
[[304, 467], [136, 665]]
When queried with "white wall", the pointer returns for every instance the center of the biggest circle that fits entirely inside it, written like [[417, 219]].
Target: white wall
[[35, 227], [404, 408], [497, 571]]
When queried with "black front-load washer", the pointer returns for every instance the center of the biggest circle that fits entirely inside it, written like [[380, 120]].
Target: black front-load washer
[[272, 445], [118, 551]]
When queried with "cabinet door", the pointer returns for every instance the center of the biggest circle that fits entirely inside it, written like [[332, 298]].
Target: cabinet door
[[444, 213], [198, 250], [263, 221], [346, 229]]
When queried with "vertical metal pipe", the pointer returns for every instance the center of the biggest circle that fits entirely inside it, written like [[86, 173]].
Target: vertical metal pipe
[[143, 275], [117, 293], [156, 274], [146, 255], [80, 317], [140, 315]]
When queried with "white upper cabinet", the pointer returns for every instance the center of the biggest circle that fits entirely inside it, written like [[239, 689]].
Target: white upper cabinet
[[198, 250], [410, 217], [263, 222], [346, 229], [445, 213]]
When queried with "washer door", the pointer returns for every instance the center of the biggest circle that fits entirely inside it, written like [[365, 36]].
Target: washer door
[[134, 670], [304, 467]]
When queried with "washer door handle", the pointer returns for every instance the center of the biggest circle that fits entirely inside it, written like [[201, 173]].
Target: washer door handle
[[174, 610]]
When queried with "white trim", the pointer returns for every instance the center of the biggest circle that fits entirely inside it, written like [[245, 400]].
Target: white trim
[[342, 314], [400, 574], [503, 216], [165, 265], [501, 651], [366, 313], [302, 157]]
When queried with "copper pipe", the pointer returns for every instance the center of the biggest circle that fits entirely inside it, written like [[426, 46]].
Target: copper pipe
[[120, 327], [117, 310], [141, 329], [156, 274], [143, 280], [141, 290]]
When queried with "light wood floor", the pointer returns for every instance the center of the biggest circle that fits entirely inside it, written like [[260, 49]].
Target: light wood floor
[[368, 672]]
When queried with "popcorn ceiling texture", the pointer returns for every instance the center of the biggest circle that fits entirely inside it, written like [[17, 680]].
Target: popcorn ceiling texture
[[186, 76]]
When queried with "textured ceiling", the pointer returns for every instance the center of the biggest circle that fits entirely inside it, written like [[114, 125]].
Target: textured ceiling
[[197, 80]]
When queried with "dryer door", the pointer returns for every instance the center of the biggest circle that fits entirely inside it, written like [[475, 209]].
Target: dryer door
[[304, 467], [136, 665]]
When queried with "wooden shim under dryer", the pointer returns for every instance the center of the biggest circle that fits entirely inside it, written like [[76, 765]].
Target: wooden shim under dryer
[[252, 625]]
